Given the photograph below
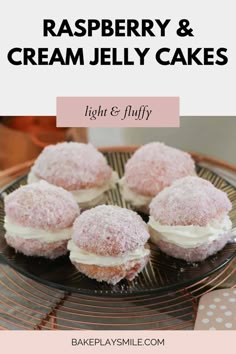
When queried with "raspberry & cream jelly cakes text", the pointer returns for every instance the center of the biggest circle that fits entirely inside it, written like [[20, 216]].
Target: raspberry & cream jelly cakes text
[[109, 244], [189, 219], [79, 168], [39, 219]]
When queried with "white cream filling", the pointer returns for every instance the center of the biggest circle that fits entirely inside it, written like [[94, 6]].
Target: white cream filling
[[136, 199], [28, 233], [191, 235], [80, 256], [84, 195], [32, 178]]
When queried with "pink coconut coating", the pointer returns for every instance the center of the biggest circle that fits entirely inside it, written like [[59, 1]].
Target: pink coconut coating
[[155, 166], [72, 166], [109, 230], [195, 254], [112, 275], [190, 201], [37, 248], [41, 206]]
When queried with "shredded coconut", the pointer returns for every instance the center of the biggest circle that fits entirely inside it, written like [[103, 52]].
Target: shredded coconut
[[42, 206], [72, 166], [189, 201], [155, 166], [109, 230]]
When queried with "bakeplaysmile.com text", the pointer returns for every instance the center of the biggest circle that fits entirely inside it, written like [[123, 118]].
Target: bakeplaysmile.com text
[[136, 342]]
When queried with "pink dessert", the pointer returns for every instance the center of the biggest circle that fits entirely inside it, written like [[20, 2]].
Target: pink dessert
[[39, 219], [79, 168], [189, 219], [153, 167], [109, 243]]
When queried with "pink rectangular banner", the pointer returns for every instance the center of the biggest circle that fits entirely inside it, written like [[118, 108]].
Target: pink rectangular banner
[[125, 342], [118, 112]]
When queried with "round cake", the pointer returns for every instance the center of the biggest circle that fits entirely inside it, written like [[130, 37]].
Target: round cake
[[189, 219], [39, 219], [79, 168], [109, 244], [151, 168]]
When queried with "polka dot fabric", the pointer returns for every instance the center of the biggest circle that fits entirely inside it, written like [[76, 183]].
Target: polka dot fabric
[[217, 311]]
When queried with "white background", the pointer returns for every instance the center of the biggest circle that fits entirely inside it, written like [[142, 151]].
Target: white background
[[32, 90]]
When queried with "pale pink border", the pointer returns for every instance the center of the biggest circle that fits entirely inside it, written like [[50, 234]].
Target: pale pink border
[[59, 342]]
